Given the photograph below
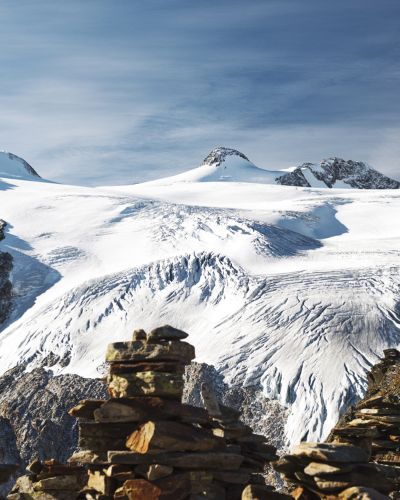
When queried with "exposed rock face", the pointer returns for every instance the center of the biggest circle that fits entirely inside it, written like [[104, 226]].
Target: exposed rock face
[[264, 416], [33, 409], [355, 174], [218, 155], [5, 284]]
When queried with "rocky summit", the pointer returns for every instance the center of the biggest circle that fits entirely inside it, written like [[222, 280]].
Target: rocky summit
[[218, 155], [336, 172], [143, 443]]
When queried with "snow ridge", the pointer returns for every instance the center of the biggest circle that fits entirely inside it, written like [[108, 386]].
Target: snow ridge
[[12, 166]]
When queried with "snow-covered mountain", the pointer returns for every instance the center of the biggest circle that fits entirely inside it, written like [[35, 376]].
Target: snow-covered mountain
[[230, 165], [336, 172], [14, 167], [295, 289]]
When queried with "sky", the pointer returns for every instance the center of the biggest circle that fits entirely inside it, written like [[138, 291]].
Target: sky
[[105, 92]]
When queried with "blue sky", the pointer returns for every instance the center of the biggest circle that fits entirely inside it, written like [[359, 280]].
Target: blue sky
[[121, 91]]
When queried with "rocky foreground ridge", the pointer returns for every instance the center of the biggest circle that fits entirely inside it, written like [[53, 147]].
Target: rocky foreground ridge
[[144, 443], [362, 456]]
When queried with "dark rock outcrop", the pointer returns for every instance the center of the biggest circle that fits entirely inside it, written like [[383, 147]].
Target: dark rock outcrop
[[6, 261], [355, 174], [218, 155], [33, 409], [263, 415]]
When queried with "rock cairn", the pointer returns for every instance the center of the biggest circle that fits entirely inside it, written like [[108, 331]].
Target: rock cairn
[[333, 470], [374, 423], [144, 444], [363, 449]]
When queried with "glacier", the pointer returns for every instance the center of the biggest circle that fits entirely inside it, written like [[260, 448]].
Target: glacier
[[292, 288]]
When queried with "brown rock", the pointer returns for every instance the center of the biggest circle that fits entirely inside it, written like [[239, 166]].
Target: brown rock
[[260, 492], [100, 482], [69, 483], [369, 478], [232, 431], [330, 452], [139, 335], [388, 458], [107, 430], [147, 366], [160, 384], [175, 487], [361, 493], [166, 332], [147, 408], [379, 411], [154, 471], [356, 431], [24, 484], [300, 493], [86, 457], [387, 419], [232, 477], [325, 469], [211, 460], [140, 489], [181, 352], [35, 466], [85, 408], [172, 436], [104, 436]]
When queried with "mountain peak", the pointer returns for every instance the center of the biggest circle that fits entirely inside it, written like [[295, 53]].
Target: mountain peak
[[14, 167], [219, 154], [339, 173]]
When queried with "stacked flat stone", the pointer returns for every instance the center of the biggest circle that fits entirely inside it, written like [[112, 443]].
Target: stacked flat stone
[[143, 443], [333, 470], [49, 480], [374, 423]]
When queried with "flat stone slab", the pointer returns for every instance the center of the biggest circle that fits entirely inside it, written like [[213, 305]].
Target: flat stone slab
[[160, 384], [211, 460], [356, 493], [147, 366], [139, 350], [172, 436], [57, 483], [330, 452], [141, 409], [166, 332], [324, 469]]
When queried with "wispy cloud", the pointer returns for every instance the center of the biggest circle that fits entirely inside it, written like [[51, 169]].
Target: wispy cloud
[[101, 92]]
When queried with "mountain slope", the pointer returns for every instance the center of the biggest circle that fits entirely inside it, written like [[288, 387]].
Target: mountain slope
[[336, 172], [307, 339], [223, 165], [14, 167], [229, 165], [290, 288]]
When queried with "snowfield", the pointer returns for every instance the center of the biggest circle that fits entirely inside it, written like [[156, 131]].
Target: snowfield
[[293, 288]]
